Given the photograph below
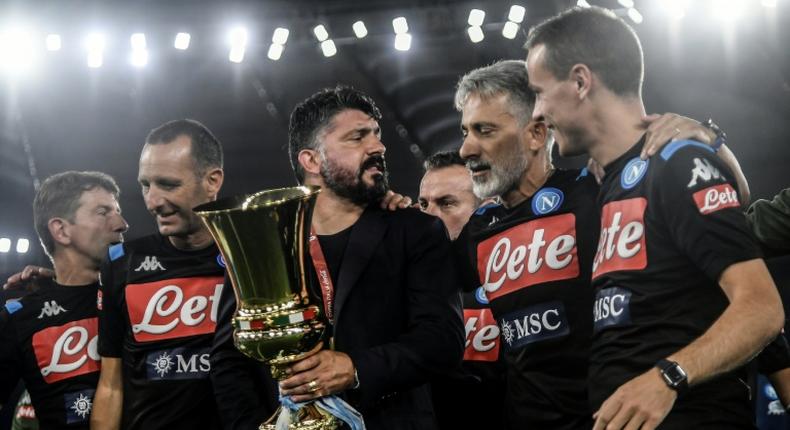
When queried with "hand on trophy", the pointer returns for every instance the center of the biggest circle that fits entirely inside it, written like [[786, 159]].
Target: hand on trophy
[[321, 374], [394, 201]]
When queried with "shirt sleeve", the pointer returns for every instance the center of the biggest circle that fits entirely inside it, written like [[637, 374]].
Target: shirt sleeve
[[770, 221], [700, 206], [110, 307]]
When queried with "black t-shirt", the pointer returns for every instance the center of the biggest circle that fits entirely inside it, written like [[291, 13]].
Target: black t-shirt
[[157, 312], [533, 261], [670, 226], [49, 339]]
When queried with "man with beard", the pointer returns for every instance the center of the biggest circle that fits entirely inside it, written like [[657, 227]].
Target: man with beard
[[159, 294], [533, 254], [682, 297], [395, 319], [48, 338]]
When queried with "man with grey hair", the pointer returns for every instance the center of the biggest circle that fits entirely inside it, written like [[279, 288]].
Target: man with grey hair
[[532, 255]]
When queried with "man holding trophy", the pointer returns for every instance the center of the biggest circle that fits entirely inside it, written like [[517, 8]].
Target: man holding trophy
[[381, 281]]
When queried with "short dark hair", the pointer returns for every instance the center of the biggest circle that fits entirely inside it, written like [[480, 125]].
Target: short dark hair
[[443, 159], [594, 37], [503, 77], [316, 112], [59, 197], [206, 149]]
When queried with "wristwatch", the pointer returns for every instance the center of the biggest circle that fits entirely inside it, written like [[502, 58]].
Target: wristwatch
[[721, 136], [674, 375]]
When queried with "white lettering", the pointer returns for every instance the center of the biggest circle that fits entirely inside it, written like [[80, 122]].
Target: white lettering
[[169, 300], [715, 199], [557, 256], [71, 343]]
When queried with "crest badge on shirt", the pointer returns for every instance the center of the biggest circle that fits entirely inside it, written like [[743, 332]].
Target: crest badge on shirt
[[633, 172], [547, 200]]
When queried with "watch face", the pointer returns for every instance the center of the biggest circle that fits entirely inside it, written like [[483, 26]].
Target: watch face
[[674, 374]]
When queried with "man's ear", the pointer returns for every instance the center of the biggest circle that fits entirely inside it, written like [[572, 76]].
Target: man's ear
[[212, 181], [536, 135], [582, 78], [58, 229], [310, 161]]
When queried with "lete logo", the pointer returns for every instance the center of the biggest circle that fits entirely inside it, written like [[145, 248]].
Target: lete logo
[[173, 308], [482, 335], [68, 350], [535, 252], [716, 198], [621, 245]]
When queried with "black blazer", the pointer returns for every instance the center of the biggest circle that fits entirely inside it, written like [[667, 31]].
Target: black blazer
[[397, 315]]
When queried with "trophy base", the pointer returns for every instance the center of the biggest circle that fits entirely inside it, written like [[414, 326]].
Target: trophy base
[[309, 417]]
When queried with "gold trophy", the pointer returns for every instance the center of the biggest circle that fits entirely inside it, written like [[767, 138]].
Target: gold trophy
[[263, 238]]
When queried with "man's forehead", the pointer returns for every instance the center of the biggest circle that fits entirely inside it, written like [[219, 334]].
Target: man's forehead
[[445, 180], [350, 119]]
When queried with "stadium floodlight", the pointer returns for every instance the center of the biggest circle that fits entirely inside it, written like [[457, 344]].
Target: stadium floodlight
[[16, 49], [22, 245], [510, 30], [328, 48], [475, 34], [238, 44], [400, 25], [582, 3], [138, 41], [95, 43], [769, 3], [280, 36], [403, 41], [628, 4], [476, 17], [359, 29], [320, 33], [182, 41], [53, 42], [139, 57], [635, 16], [516, 14], [5, 244], [275, 51]]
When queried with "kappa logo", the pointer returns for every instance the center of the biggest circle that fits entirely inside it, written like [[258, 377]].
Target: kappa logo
[[150, 263], [178, 363], [633, 172], [622, 244], [705, 171], [51, 308], [542, 250], [533, 324], [547, 200], [482, 335]]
